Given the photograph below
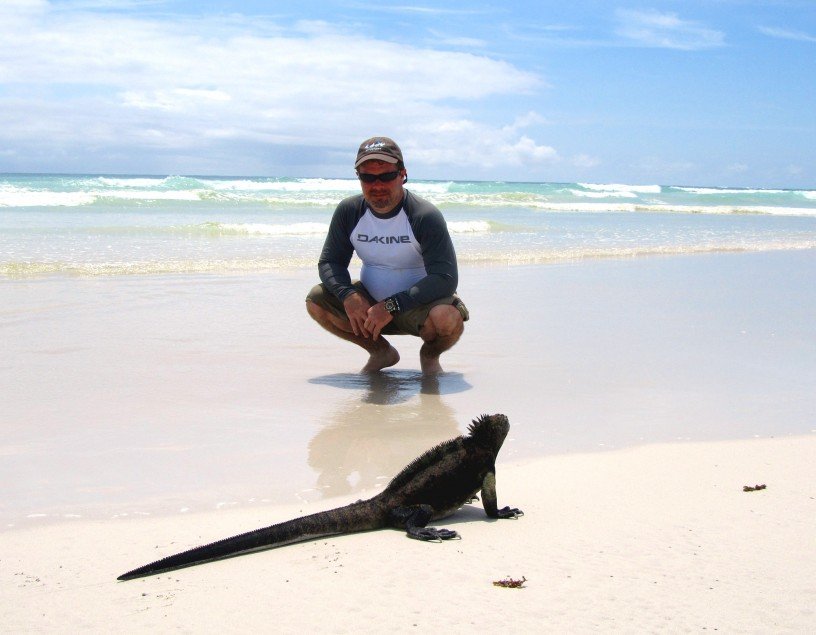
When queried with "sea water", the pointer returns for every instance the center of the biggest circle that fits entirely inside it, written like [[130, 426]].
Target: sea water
[[111, 225]]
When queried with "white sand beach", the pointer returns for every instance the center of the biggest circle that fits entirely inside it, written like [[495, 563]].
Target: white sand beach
[[149, 415], [653, 539]]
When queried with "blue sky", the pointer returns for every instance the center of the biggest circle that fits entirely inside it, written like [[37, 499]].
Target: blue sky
[[715, 92]]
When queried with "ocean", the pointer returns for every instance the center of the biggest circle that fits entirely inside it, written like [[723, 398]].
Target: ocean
[[94, 225]]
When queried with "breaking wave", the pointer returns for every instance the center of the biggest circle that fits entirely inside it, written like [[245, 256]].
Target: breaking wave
[[110, 192]]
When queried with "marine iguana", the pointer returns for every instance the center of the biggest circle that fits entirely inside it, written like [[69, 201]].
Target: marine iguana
[[431, 487]]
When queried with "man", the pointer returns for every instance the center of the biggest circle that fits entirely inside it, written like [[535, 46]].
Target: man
[[408, 279]]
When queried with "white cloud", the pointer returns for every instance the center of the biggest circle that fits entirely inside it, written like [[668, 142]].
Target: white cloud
[[175, 100], [416, 9], [465, 142], [787, 34], [10, 7], [88, 78], [524, 121], [108, 4], [445, 39], [527, 150], [15, 14], [666, 30]]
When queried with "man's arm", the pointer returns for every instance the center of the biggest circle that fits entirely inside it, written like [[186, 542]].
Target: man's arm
[[332, 266], [438, 254]]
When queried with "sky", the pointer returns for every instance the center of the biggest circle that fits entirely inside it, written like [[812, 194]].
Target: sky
[[693, 92]]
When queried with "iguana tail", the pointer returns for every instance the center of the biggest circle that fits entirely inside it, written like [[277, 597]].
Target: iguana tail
[[360, 516]]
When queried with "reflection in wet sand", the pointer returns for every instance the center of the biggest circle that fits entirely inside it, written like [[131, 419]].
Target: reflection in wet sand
[[401, 415]]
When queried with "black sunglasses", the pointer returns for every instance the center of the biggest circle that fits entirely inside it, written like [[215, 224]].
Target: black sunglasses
[[386, 177]]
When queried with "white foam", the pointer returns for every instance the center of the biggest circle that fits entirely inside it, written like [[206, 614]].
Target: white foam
[[350, 186], [322, 201], [132, 181], [469, 227], [23, 197], [263, 229], [430, 188], [671, 209], [717, 190], [299, 185], [154, 267], [604, 194], [149, 195], [617, 187], [522, 257]]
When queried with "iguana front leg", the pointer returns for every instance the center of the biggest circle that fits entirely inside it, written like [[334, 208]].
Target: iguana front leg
[[489, 500], [414, 520]]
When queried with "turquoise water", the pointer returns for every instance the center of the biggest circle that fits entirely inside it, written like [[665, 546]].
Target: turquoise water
[[113, 225]]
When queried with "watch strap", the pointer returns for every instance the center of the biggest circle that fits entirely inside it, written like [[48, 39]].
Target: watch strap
[[392, 305]]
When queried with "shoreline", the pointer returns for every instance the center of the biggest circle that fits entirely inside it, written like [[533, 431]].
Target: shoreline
[[658, 537]]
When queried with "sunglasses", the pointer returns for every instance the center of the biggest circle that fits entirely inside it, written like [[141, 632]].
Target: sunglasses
[[386, 177]]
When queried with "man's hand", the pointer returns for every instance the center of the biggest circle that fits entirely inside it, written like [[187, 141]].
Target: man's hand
[[357, 307], [378, 317]]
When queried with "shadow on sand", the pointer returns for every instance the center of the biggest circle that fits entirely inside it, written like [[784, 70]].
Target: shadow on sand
[[395, 386]]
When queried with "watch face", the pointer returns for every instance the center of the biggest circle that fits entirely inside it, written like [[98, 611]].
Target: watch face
[[390, 305]]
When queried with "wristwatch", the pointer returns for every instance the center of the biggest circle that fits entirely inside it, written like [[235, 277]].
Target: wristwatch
[[392, 305]]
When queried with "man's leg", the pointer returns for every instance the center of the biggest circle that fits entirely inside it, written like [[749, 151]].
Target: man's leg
[[442, 329], [381, 353]]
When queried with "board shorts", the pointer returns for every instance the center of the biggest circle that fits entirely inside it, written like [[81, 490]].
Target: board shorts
[[404, 323]]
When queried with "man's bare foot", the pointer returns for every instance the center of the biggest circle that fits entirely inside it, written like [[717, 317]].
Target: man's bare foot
[[430, 365], [381, 359]]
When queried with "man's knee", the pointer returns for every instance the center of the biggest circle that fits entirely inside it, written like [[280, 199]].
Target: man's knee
[[446, 320], [312, 309], [317, 303], [316, 294]]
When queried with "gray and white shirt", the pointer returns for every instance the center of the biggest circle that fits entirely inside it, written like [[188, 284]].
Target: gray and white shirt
[[406, 253]]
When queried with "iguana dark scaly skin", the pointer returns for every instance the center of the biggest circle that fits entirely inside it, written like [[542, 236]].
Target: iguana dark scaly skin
[[431, 487]]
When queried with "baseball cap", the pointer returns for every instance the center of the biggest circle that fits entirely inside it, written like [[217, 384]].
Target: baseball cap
[[380, 149]]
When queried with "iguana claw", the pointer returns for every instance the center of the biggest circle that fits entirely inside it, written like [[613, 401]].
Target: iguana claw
[[431, 534], [508, 512]]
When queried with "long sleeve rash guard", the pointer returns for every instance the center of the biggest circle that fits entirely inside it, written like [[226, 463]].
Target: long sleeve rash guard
[[407, 253]]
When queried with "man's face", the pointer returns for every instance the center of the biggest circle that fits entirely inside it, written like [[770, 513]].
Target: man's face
[[381, 197]]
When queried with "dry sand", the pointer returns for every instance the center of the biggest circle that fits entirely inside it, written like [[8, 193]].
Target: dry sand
[[659, 538]]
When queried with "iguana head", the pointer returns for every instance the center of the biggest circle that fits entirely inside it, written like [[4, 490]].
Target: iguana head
[[489, 430]]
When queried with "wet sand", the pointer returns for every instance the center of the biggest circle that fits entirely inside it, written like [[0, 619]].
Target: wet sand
[[151, 395]]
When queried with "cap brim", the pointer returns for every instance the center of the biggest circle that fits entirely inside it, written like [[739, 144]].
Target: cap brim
[[375, 157]]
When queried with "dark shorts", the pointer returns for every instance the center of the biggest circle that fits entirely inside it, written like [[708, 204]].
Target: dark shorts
[[405, 323]]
